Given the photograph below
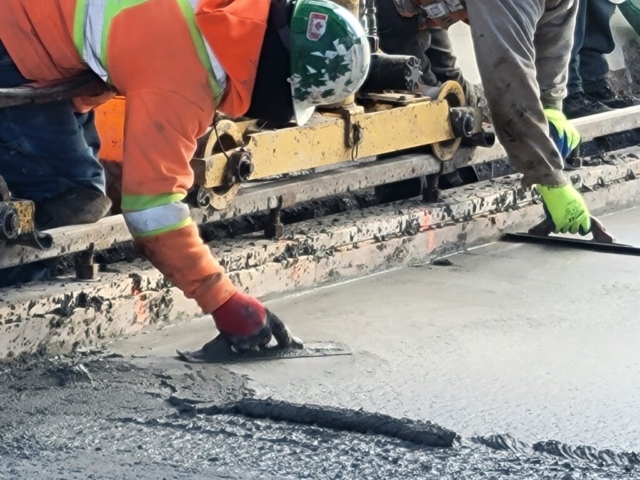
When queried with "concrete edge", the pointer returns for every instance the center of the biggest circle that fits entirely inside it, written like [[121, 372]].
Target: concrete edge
[[63, 314]]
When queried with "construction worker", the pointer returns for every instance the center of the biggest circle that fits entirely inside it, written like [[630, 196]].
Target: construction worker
[[522, 48], [177, 62]]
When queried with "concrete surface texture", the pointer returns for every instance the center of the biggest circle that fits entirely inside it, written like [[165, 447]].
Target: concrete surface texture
[[539, 344], [509, 339], [526, 353]]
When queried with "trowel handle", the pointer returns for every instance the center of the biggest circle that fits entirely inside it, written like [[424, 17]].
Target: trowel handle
[[600, 234]]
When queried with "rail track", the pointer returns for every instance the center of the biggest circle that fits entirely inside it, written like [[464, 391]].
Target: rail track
[[262, 196]]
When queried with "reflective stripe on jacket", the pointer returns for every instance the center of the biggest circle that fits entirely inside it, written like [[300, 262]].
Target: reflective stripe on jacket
[[92, 22]]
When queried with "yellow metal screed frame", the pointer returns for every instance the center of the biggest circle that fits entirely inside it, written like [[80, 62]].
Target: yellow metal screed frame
[[389, 122]]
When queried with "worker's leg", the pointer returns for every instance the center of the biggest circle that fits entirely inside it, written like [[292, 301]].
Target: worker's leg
[[503, 35], [87, 123], [402, 36], [598, 42], [574, 83], [577, 103], [444, 63], [48, 155], [48, 150]]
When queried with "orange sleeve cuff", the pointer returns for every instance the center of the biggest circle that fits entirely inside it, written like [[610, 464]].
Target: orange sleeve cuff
[[188, 263]]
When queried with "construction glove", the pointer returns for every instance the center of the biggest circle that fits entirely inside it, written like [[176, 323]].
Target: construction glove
[[565, 208], [248, 325], [564, 134]]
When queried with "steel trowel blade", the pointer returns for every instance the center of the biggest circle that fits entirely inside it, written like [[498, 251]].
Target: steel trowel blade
[[225, 355]]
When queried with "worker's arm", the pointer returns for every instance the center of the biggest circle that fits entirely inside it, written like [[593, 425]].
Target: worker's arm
[[503, 34], [161, 128], [520, 46], [170, 103], [160, 139], [553, 42]]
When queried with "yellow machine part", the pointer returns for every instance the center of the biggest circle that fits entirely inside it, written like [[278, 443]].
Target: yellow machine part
[[322, 141], [334, 137], [26, 210]]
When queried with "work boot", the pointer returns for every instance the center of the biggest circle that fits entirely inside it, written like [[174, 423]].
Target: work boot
[[578, 105], [602, 92], [248, 325], [75, 206]]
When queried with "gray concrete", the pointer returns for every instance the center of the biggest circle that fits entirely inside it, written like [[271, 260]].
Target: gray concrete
[[510, 339], [532, 344]]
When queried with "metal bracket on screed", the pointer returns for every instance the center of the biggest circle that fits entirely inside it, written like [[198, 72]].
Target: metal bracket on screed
[[86, 268], [274, 229], [17, 223], [352, 114], [430, 191]]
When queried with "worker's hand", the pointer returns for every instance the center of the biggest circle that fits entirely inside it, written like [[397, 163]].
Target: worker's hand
[[564, 134], [566, 209], [247, 324]]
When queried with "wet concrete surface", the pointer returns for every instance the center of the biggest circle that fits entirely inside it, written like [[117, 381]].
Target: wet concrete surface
[[529, 355], [88, 418]]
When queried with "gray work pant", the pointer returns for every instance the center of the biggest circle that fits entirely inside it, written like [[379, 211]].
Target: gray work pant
[[522, 50], [402, 36]]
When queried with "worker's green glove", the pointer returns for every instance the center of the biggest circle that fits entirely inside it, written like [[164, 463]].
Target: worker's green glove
[[564, 134], [566, 209]]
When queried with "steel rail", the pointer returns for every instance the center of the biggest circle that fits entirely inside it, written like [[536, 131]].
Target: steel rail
[[262, 196]]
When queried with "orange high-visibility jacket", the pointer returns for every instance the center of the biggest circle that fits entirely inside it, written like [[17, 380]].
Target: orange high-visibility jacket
[[175, 61]]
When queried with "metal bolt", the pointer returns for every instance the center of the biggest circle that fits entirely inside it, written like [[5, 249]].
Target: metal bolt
[[274, 228], [86, 272], [86, 269], [10, 222], [245, 167], [467, 125]]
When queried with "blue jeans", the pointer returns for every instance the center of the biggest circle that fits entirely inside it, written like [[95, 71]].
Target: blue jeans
[[48, 148], [593, 38]]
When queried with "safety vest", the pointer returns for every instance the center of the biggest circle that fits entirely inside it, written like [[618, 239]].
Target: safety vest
[[433, 13], [92, 23]]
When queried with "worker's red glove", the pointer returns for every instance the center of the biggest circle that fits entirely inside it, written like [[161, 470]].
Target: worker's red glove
[[248, 324]]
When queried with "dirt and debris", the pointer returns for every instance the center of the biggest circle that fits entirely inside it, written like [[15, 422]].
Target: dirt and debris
[[600, 147], [236, 227]]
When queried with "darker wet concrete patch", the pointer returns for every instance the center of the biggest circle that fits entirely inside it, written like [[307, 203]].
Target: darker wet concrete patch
[[342, 419]]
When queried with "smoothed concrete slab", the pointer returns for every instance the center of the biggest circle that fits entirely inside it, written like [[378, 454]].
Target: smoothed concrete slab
[[513, 339]]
